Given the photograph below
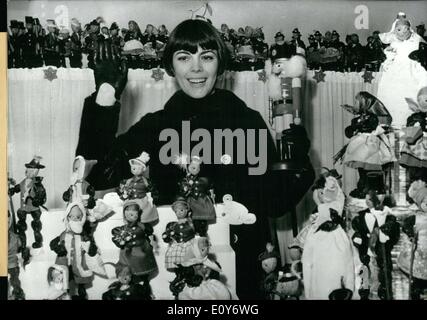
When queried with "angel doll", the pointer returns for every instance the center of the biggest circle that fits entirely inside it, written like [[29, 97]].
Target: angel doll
[[369, 149], [401, 77], [413, 155]]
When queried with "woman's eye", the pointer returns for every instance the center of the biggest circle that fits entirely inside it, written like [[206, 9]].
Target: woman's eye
[[182, 58], [208, 57]]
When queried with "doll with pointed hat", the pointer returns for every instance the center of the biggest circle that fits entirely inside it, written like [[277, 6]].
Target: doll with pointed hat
[[413, 256], [33, 197], [269, 262]]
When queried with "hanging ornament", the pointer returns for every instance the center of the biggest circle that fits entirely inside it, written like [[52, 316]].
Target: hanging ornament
[[50, 74], [319, 76], [367, 76], [262, 76], [157, 74]]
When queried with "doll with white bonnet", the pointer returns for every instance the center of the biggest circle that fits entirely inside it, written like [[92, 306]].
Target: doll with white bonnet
[[415, 227], [401, 77]]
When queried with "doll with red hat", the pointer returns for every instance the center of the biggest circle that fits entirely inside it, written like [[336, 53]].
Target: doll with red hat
[[413, 256], [139, 187], [33, 196], [197, 191], [133, 239], [126, 288]]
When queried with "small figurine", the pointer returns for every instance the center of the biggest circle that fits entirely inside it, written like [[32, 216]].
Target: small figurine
[[269, 259], [126, 288], [413, 155], [195, 189], [177, 234], [33, 196], [369, 149], [15, 246], [376, 231], [57, 277], [79, 187], [76, 249], [200, 275], [413, 256], [133, 239], [139, 187]]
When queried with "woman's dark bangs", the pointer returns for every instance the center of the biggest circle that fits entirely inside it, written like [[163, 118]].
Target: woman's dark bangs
[[189, 41]]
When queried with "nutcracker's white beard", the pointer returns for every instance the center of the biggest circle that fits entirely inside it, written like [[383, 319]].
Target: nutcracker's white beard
[[58, 286], [76, 226]]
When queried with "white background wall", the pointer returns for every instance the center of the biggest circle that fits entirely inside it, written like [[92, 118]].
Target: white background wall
[[284, 15]]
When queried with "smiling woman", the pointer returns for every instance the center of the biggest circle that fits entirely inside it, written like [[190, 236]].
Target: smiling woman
[[195, 55]]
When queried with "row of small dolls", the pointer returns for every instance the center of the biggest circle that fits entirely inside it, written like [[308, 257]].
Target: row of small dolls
[[370, 150], [135, 239], [332, 261]]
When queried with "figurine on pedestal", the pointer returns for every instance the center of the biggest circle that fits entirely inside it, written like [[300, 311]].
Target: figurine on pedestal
[[33, 196]]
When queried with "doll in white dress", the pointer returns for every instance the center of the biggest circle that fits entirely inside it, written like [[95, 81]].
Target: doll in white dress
[[401, 77]]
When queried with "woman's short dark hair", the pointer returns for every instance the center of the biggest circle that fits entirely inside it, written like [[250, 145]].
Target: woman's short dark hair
[[190, 34]]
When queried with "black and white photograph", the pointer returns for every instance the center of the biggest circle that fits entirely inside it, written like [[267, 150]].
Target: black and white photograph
[[216, 150]]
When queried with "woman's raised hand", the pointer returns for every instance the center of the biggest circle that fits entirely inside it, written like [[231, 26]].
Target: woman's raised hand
[[110, 67]]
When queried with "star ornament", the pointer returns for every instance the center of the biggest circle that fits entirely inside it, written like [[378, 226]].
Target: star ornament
[[367, 76], [319, 76], [157, 74], [262, 76], [50, 74]]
